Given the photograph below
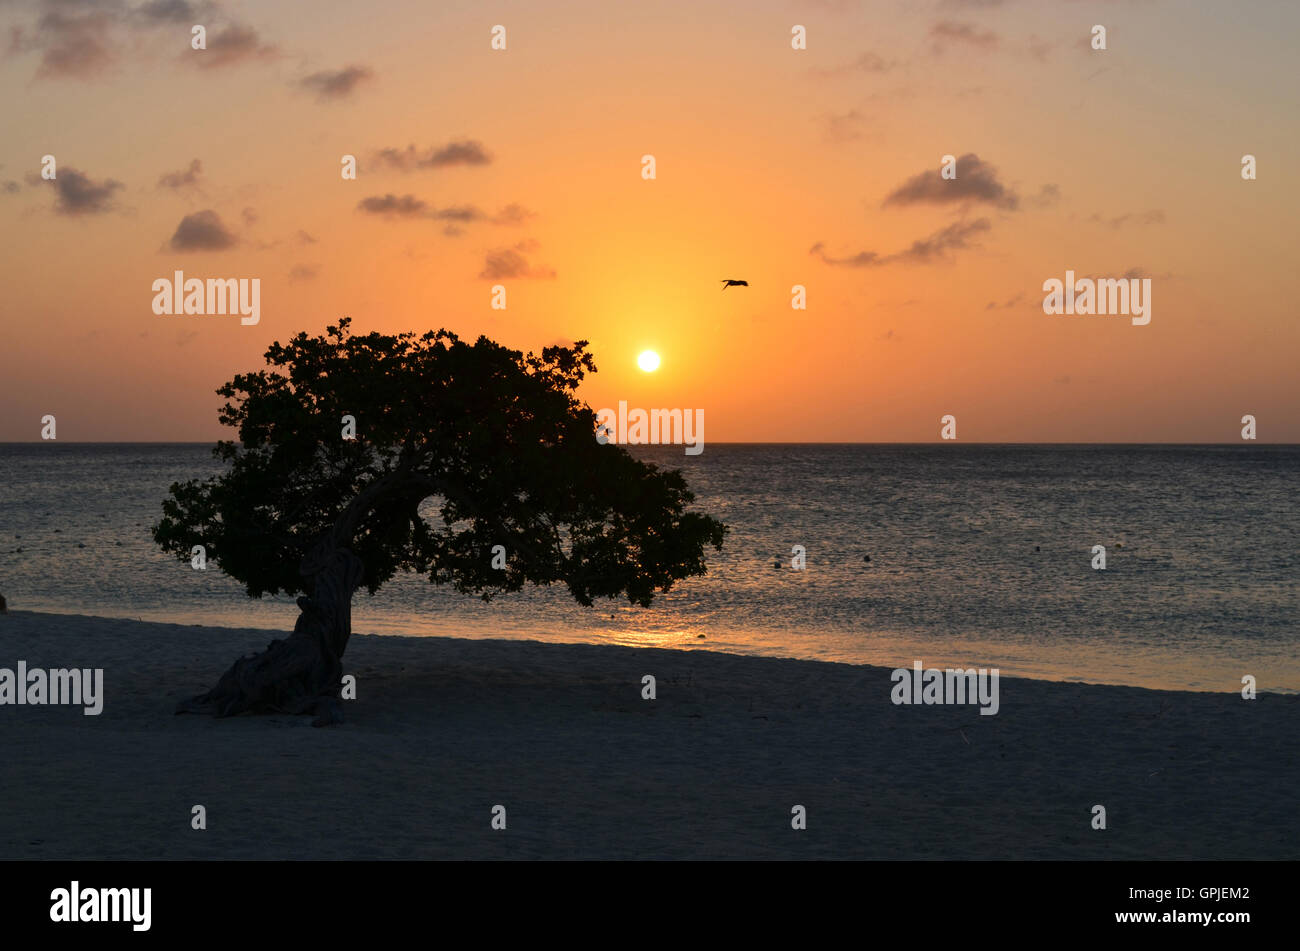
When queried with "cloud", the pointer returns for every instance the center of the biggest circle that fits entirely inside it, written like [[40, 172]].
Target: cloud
[[976, 181], [79, 194], [954, 237], [849, 127], [461, 213], [390, 205], [834, 6], [202, 231], [188, 178], [506, 263], [1012, 302], [160, 12], [1139, 273], [1038, 48], [82, 39], [866, 62], [1133, 273], [234, 45], [408, 206], [302, 272], [861, 259], [466, 152], [303, 237], [1047, 196], [513, 214], [935, 247], [1153, 217], [947, 32], [338, 83], [74, 42], [250, 217], [11, 187]]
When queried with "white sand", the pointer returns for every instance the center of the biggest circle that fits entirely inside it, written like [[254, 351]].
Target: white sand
[[445, 728]]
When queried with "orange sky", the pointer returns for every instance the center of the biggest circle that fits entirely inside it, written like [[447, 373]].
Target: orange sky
[[1102, 162]]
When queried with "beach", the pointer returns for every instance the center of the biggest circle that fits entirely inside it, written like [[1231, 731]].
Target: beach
[[444, 729]]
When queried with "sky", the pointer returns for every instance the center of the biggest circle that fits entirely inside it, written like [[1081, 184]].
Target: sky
[[523, 167]]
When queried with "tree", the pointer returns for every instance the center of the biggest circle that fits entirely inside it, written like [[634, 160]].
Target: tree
[[496, 440]]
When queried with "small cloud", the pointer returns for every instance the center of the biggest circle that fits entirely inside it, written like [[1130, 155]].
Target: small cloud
[[250, 217], [947, 32], [1007, 305], [1038, 48], [935, 247], [336, 84], [1047, 196], [861, 259], [1138, 273], [466, 152], [74, 43], [79, 194], [867, 62], [1154, 217], [303, 237], [202, 231], [849, 127], [392, 206], [461, 213], [507, 263], [1063, 380], [955, 237], [189, 178], [11, 187], [159, 12], [234, 45], [302, 272], [513, 214], [976, 181], [408, 206]]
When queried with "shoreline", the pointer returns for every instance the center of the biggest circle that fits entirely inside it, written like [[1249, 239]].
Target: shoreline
[[691, 646], [445, 728]]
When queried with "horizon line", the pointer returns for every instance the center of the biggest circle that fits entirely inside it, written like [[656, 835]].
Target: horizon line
[[937, 442]]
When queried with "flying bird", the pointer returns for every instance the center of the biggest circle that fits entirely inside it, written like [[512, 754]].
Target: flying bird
[[726, 284]]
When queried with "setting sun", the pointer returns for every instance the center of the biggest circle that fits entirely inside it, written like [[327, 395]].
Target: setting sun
[[648, 361]]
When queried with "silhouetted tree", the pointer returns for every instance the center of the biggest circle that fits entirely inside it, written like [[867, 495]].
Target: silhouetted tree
[[496, 439]]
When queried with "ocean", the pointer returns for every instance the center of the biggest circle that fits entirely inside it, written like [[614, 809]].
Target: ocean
[[980, 556]]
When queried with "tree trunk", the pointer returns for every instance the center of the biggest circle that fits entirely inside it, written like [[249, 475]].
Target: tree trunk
[[302, 674]]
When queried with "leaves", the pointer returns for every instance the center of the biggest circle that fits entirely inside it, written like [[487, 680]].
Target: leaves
[[496, 438]]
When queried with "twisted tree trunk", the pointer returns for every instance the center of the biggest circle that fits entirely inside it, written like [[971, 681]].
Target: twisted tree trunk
[[303, 673]]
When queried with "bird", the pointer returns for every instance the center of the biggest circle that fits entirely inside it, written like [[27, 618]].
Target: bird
[[730, 283]]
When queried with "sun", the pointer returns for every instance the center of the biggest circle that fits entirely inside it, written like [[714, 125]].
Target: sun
[[648, 361]]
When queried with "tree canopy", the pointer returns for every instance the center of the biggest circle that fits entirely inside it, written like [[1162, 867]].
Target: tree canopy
[[495, 440]]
